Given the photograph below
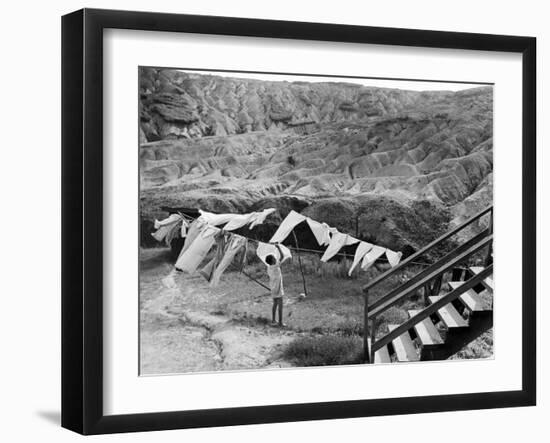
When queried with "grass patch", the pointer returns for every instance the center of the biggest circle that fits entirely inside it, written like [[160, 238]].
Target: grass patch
[[350, 328], [325, 350]]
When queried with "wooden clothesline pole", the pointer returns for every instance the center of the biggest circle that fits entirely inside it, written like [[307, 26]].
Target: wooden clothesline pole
[[300, 262]]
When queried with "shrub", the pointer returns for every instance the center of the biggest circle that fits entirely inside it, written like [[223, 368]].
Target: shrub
[[350, 328], [325, 350]]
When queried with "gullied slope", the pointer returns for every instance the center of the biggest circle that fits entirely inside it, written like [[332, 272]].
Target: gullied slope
[[229, 144]]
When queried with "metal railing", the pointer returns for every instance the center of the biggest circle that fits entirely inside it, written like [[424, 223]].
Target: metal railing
[[429, 278]]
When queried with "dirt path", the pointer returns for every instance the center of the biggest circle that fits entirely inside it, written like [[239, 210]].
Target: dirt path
[[178, 336]]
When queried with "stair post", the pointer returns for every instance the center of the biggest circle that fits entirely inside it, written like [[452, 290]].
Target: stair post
[[366, 348], [436, 288]]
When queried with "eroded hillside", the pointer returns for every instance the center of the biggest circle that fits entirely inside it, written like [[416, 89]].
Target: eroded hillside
[[396, 166]]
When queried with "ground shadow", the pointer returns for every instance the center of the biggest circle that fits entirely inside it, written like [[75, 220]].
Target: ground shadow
[[54, 417]]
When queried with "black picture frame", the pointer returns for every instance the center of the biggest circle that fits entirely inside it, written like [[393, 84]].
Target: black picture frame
[[82, 218]]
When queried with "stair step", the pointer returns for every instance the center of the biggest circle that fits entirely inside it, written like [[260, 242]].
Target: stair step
[[382, 355], [449, 315], [488, 282], [426, 331], [404, 346], [470, 299]]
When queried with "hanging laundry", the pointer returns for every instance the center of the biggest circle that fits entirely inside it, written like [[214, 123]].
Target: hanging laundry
[[194, 230], [161, 233], [238, 221], [285, 253], [184, 226], [337, 242], [360, 252], [322, 231], [216, 219], [241, 261], [173, 218], [221, 239], [393, 257], [175, 232], [371, 256], [168, 228], [259, 217], [280, 252], [189, 260], [265, 249], [288, 224], [236, 245]]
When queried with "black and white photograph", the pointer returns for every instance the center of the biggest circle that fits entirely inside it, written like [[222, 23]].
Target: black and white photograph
[[297, 220]]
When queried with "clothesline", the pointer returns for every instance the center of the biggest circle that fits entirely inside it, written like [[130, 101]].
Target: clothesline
[[341, 254], [228, 244]]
